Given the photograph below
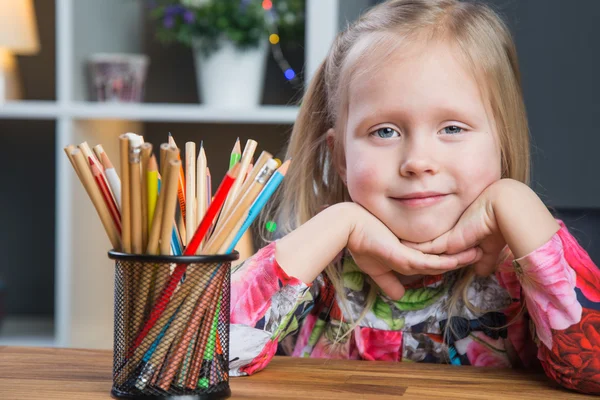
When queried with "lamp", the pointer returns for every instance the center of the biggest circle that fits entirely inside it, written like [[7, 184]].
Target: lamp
[[18, 35]]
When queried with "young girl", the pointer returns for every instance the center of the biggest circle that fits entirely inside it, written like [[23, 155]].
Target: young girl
[[409, 231]]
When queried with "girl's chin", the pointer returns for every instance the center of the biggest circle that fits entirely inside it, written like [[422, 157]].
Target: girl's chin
[[421, 234]]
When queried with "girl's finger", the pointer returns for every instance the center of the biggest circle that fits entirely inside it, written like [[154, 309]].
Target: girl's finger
[[438, 245], [390, 284], [467, 257], [415, 261], [382, 276], [431, 264]]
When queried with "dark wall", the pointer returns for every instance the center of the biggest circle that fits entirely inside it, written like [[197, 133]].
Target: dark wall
[[27, 194], [27, 202], [557, 43]]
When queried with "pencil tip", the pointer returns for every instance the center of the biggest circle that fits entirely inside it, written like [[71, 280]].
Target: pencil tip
[[201, 144], [152, 164], [170, 134], [284, 167]]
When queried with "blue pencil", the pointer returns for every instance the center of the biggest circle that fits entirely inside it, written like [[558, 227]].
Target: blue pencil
[[260, 202]]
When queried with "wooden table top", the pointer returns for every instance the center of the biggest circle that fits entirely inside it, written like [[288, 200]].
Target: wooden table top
[[52, 373]]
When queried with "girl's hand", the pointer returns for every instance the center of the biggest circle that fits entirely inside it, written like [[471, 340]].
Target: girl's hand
[[506, 212], [378, 253]]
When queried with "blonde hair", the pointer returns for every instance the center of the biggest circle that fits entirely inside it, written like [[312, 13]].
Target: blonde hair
[[486, 49]]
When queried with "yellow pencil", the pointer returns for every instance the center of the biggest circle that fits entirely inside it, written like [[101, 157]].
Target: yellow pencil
[[146, 279], [152, 187]]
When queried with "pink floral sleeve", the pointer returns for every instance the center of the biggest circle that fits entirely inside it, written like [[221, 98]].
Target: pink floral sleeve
[[561, 290], [266, 306]]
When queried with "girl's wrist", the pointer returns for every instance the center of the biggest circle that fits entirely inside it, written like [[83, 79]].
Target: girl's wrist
[[305, 252], [522, 218]]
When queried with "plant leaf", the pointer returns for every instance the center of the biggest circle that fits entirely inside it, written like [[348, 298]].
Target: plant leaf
[[419, 298]]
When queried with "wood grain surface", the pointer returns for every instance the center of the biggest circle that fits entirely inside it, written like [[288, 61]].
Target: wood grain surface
[[53, 373]]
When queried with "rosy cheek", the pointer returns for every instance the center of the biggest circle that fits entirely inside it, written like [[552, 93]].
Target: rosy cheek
[[362, 179], [477, 176]]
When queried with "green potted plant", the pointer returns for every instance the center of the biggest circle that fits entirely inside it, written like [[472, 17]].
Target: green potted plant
[[230, 40]]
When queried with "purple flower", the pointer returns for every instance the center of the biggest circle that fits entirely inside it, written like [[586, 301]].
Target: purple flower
[[189, 17], [174, 10], [169, 21]]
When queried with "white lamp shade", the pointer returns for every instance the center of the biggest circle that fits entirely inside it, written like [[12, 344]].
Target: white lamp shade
[[18, 30]]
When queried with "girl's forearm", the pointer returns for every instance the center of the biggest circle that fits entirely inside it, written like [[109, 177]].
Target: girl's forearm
[[525, 222], [305, 252]]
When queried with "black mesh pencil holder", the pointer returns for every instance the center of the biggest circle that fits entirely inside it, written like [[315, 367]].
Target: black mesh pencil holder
[[171, 335]]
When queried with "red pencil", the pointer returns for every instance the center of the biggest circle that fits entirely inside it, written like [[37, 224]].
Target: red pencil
[[106, 193], [190, 250]]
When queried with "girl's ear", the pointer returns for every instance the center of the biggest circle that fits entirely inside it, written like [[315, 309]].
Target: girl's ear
[[338, 161]]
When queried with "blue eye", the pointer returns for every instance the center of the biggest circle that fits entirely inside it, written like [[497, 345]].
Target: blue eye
[[452, 130], [386, 133]]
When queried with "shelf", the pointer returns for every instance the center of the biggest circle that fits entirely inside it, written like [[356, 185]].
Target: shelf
[[148, 112], [29, 109], [27, 331], [183, 113]]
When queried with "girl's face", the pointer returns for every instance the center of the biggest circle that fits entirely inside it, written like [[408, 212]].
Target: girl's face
[[419, 145]]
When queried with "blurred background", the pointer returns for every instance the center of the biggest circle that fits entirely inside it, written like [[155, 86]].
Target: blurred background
[[89, 70]]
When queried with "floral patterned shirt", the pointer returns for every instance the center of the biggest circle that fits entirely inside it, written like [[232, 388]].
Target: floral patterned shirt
[[553, 295]]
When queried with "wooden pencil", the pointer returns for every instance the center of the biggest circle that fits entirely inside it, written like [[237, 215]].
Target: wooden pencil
[[87, 153], [146, 280], [183, 371], [94, 193], [217, 244], [145, 159], [152, 191], [125, 194], [181, 210], [169, 209], [244, 164], [164, 148], [260, 163], [251, 176], [192, 247], [106, 195], [68, 149], [98, 150], [201, 185], [166, 305], [190, 190], [174, 154], [113, 179], [191, 329], [208, 187], [205, 329], [135, 180]]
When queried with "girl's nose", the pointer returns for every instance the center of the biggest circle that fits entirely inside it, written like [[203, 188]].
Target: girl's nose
[[418, 159]]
